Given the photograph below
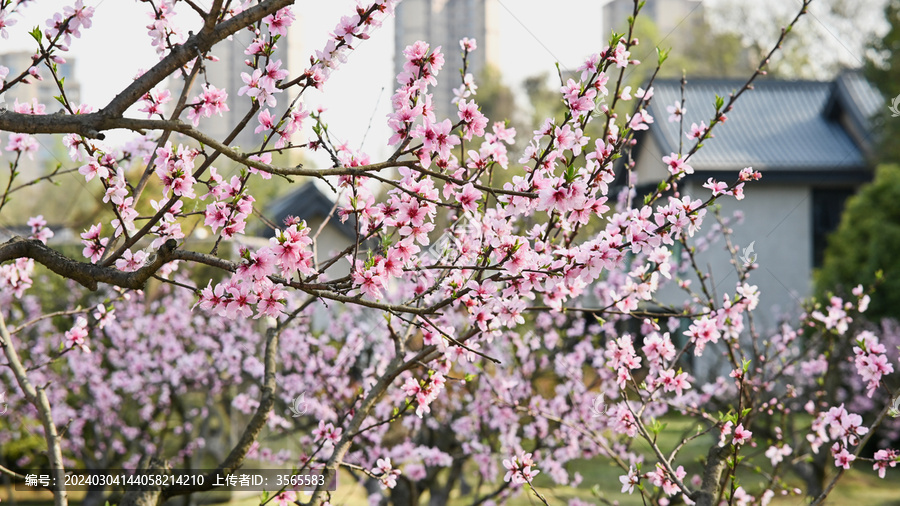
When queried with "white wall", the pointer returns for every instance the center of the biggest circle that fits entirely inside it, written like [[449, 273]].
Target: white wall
[[778, 221]]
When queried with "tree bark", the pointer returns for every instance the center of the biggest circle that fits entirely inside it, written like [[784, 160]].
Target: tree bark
[[712, 476], [146, 495]]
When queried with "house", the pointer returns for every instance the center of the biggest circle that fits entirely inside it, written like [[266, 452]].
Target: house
[[317, 207], [812, 141]]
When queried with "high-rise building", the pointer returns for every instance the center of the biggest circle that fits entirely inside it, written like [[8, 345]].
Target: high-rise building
[[226, 73], [43, 91], [444, 23]]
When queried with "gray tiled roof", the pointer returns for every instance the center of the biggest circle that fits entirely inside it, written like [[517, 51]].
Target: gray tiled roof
[[862, 101], [308, 202], [778, 125]]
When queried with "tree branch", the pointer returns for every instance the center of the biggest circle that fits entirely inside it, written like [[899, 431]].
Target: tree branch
[[38, 398], [88, 275]]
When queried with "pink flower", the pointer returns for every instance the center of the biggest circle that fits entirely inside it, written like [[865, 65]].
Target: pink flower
[[630, 480], [842, 458], [640, 121], [697, 131], [388, 475], [153, 101], [474, 121], [885, 458], [93, 245], [39, 230], [370, 280], [468, 45], [776, 454], [871, 361], [22, 143], [328, 433], [676, 165], [468, 197], [672, 382], [286, 498], [676, 112], [211, 101], [4, 23], [703, 331], [266, 121], [741, 435], [129, 262], [75, 336], [724, 432], [518, 469], [93, 169], [748, 174], [437, 138], [661, 478], [426, 394], [279, 22], [717, 187], [620, 55], [272, 75], [242, 297]]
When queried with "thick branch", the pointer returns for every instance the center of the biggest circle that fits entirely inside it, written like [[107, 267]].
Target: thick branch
[[90, 125], [712, 476], [38, 398], [181, 54], [88, 275]]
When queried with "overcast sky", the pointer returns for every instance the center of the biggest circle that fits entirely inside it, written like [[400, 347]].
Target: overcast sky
[[117, 46]]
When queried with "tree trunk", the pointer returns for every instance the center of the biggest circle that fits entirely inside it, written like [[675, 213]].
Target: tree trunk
[[95, 496], [146, 495], [712, 476]]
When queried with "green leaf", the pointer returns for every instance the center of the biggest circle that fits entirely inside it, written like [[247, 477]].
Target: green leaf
[[36, 34], [662, 55]]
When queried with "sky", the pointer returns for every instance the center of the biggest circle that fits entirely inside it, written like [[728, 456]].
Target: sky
[[112, 51]]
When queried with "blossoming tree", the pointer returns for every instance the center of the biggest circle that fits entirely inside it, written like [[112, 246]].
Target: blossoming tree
[[471, 322]]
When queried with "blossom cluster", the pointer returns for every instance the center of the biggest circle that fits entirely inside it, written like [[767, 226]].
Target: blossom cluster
[[519, 469]]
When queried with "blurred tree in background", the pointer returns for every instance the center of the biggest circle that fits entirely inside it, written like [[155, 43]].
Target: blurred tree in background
[[868, 238], [883, 70], [866, 242]]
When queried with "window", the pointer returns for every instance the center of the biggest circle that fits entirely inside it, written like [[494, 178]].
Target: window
[[828, 205]]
